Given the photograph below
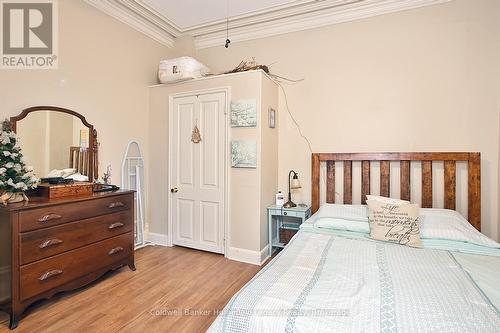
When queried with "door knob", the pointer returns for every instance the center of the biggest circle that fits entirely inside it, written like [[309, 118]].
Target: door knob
[[174, 190]]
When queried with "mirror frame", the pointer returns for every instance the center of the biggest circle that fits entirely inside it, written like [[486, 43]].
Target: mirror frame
[[93, 143]]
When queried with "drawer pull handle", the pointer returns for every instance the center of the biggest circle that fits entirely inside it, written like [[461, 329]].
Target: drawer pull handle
[[50, 242], [115, 250], [116, 204], [115, 225], [49, 274], [49, 217]]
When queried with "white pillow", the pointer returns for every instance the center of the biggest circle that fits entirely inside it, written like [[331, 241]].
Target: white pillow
[[339, 211], [62, 173], [387, 200], [78, 177], [434, 223], [68, 172], [342, 224], [55, 173], [451, 225]]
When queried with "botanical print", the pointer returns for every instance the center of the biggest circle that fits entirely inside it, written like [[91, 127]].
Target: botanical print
[[244, 113], [244, 154]]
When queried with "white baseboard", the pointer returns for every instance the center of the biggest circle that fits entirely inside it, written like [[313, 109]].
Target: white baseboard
[[264, 255], [248, 256], [158, 239]]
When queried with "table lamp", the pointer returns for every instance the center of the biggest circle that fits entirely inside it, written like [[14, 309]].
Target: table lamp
[[293, 183]]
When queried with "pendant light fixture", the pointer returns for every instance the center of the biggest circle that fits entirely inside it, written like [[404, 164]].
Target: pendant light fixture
[[228, 41]]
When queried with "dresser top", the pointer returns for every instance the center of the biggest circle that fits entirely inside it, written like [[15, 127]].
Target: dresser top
[[38, 202]]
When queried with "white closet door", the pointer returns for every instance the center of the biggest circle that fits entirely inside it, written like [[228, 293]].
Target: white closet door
[[198, 172]]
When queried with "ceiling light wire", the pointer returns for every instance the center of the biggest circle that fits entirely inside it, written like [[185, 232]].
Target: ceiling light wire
[[228, 41]]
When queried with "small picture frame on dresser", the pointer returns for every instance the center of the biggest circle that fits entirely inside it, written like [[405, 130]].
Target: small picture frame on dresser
[[272, 118]]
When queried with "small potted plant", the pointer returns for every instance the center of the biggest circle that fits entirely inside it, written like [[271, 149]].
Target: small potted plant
[[15, 176]]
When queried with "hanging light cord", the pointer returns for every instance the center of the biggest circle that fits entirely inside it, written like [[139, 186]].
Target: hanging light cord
[[228, 41]]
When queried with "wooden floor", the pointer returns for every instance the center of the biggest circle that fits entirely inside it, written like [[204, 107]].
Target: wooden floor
[[167, 280]]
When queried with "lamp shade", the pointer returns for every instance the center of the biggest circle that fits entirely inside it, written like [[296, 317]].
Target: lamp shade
[[295, 184]]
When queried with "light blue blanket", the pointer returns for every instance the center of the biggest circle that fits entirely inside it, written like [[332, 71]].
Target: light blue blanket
[[328, 282]]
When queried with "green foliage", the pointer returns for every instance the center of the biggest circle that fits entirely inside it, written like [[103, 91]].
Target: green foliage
[[15, 176]]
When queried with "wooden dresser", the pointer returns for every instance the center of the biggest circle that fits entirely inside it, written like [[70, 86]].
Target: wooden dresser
[[49, 246]]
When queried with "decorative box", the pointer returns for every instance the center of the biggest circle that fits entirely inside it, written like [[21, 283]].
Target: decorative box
[[65, 190]]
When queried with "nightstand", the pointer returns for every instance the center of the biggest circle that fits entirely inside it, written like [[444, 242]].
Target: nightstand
[[284, 218]]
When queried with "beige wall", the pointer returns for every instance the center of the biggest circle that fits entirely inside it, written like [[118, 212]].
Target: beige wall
[[419, 80], [104, 70]]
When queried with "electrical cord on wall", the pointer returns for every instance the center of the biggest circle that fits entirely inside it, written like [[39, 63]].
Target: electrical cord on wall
[[276, 79]]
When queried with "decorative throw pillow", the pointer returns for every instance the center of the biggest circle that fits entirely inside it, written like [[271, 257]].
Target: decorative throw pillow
[[394, 223], [386, 200]]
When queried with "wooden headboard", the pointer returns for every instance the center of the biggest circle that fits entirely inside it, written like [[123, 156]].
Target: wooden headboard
[[473, 174], [79, 160]]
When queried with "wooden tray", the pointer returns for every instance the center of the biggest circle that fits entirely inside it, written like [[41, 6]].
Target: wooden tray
[[65, 190]]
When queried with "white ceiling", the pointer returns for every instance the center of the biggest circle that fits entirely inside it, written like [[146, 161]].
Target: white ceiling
[[190, 13], [205, 20]]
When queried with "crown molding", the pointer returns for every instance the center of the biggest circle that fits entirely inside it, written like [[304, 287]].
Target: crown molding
[[215, 36], [270, 14], [146, 25], [141, 8], [291, 17]]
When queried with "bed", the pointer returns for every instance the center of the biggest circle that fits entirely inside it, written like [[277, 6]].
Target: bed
[[332, 277]]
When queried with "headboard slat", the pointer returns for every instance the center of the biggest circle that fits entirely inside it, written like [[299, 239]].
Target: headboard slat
[[330, 182], [450, 184], [385, 178], [473, 160], [404, 170], [474, 190], [427, 184], [315, 166], [365, 180], [347, 182]]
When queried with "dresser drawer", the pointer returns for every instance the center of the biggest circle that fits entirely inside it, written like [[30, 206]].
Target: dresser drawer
[[43, 275], [53, 215], [43, 243]]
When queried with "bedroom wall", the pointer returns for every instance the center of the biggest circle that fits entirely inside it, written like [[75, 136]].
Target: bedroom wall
[[104, 70], [421, 80]]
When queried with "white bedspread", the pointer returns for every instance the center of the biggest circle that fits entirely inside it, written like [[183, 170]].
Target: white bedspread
[[324, 282]]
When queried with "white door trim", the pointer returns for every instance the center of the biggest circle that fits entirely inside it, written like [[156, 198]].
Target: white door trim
[[227, 92]]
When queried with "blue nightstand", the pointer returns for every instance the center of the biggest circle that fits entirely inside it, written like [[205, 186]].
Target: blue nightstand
[[284, 218]]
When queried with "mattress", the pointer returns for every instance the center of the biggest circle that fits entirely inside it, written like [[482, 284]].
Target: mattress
[[341, 281]]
